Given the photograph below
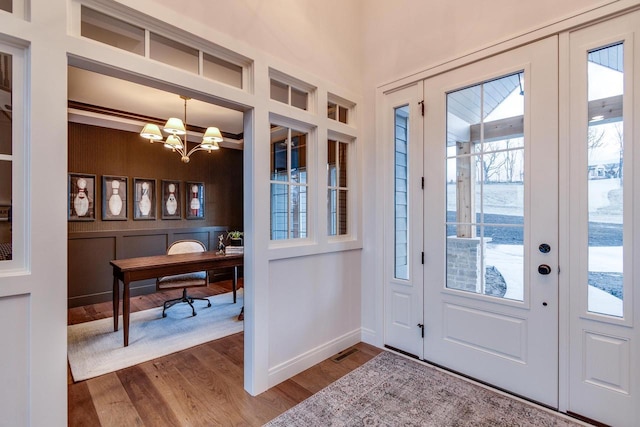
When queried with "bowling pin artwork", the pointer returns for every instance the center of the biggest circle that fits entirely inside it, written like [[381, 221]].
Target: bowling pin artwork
[[115, 201], [194, 198], [172, 203], [145, 201], [114, 198], [81, 201]]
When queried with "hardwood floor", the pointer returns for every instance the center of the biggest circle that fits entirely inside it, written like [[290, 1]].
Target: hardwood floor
[[200, 386]]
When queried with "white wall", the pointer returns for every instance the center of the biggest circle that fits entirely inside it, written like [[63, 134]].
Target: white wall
[[314, 308], [322, 37]]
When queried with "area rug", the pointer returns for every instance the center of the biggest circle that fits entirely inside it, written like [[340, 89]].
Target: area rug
[[95, 349], [391, 390]]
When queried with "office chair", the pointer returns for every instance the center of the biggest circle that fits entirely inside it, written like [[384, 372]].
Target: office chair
[[184, 281]]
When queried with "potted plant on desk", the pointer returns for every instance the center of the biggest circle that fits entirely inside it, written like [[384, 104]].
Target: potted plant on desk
[[235, 238], [235, 243]]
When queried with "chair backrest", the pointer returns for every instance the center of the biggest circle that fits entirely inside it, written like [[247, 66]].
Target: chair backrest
[[185, 246]]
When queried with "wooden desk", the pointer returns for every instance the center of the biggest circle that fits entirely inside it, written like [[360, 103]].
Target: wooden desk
[[132, 269]]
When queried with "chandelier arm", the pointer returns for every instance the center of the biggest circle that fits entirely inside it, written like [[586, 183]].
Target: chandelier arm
[[196, 148]]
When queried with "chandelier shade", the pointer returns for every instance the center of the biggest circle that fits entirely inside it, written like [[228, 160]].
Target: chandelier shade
[[176, 128], [151, 132]]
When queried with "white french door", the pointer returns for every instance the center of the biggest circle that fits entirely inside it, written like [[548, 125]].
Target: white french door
[[491, 221], [521, 264]]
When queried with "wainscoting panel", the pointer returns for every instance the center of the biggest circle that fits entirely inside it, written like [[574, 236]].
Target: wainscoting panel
[[89, 272], [90, 277]]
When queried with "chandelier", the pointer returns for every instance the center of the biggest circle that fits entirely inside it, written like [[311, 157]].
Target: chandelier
[[176, 129]]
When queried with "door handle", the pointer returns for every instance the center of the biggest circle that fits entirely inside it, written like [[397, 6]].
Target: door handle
[[544, 269]]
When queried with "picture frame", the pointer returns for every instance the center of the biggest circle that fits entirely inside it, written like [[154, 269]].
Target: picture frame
[[171, 201], [5, 213], [194, 200], [114, 198], [81, 197], [144, 195]]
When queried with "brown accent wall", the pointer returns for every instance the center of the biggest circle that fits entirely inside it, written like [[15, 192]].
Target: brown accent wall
[[92, 244]]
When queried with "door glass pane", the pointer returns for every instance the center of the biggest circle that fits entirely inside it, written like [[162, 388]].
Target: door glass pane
[[401, 224], [6, 5], [485, 188], [6, 163], [604, 176]]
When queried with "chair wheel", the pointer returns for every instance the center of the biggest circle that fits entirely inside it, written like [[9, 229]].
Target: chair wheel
[[195, 314], [164, 314], [209, 305]]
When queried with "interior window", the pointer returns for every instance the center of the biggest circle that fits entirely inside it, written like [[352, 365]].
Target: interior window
[[6, 164], [289, 183], [338, 189]]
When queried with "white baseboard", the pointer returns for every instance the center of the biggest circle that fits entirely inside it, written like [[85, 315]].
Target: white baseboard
[[294, 366], [369, 336]]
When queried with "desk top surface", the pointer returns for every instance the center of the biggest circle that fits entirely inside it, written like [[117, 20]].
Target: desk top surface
[[142, 263]]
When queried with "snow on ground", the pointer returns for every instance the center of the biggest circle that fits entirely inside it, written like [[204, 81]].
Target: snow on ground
[[508, 259]]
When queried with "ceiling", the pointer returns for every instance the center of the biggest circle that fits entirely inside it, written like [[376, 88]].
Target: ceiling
[[99, 90]]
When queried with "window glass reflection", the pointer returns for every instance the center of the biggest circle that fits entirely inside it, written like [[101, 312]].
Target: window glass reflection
[[605, 176]]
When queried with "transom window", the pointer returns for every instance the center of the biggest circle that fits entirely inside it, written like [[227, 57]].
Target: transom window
[[123, 35]]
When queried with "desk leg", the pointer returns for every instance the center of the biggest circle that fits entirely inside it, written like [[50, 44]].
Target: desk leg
[[116, 302], [235, 282], [125, 313]]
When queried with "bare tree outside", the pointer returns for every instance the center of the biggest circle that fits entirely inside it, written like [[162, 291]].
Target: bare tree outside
[[595, 139], [492, 162], [619, 137]]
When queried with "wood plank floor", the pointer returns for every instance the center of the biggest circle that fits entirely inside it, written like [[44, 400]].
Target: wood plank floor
[[201, 386]]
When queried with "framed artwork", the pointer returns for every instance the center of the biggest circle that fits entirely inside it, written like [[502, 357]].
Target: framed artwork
[[171, 203], [194, 200], [114, 198], [5, 212], [144, 194], [82, 195]]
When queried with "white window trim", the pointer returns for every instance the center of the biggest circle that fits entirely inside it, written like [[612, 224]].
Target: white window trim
[[20, 236], [312, 186]]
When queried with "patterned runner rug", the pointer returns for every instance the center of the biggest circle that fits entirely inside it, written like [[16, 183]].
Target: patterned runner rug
[[391, 390]]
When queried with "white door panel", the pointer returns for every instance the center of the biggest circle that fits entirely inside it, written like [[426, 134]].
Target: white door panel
[[490, 313]]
